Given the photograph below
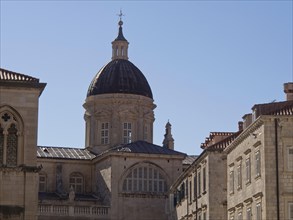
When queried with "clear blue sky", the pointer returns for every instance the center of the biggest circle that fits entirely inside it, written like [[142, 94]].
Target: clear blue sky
[[207, 62]]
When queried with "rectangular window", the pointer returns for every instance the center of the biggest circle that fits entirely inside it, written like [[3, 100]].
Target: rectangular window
[[127, 132], [290, 211], [105, 133], [199, 216], [231, 216], [145, 132], [194, 187], [204, 179], [190, 191], [257, 164], [248, 213], [186, 188], [204, 216], [258, 211], [231, 181], [290, 159], [248, 170], [198, 184], [239, 177], [42, 183], [240, 217]]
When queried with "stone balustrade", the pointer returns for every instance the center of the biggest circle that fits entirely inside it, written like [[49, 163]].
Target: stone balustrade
[[71, 210]]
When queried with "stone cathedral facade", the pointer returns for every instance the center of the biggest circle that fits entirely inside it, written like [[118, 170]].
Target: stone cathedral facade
[[119, 174]]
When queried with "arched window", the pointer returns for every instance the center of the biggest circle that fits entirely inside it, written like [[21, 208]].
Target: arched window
[[76, 182], [144, 178], [9, 138], [12, 146]]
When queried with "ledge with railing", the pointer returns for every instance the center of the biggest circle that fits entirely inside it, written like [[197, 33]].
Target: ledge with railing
[[72, 210]]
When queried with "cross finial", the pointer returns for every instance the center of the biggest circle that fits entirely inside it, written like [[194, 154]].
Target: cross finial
[[120, 14]]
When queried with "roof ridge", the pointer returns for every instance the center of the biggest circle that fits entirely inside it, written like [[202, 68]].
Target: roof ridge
[[62, 147]]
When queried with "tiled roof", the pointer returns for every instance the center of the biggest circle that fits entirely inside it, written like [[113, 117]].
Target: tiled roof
[[274, 108], [7, 75], [189, 159], [144, 148], [215, 137], [64, 153], [221, 145]]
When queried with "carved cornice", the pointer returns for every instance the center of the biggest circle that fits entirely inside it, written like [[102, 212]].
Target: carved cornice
[[21, 168]]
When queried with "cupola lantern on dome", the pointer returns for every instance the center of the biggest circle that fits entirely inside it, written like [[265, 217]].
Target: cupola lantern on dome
[[120, 44]]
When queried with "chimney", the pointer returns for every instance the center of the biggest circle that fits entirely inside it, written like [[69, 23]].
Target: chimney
[[288, 89], [240, 125], [247, 120]]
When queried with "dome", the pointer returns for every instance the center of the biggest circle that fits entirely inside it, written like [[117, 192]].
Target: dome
[[120, 76]]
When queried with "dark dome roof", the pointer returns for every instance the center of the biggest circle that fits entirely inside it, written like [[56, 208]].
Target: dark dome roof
[[120, 76]]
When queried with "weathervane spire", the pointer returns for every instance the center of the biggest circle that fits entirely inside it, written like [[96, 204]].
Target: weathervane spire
[[120, 17]]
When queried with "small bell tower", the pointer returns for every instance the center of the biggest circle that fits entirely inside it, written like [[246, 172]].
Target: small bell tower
[[168, 140]]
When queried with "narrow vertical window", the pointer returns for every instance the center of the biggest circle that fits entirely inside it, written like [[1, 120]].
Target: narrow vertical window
[[190, 191], [145, 133], [1, 144], [204, 179], [122, 51], [239, 177], [231, 181], [248, 170], [257, 164], [186, 192], [105, 133], [198, 184], [248, 213], [194, 186], [199, 216], [204, 216], [127, 133], [117, 51], [290, 159], [258, 211], [12, 143], [290, 211], [240, 217]]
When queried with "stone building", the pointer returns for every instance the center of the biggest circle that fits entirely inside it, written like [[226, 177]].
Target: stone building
[[200, 191], [260, 163], [119, 174], [240, 175], [19, 97]]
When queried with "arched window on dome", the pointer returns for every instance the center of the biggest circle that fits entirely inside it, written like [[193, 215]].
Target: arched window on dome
[[76, 181], [145, 178], [122, 51], [116, 51], [9, 138]]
